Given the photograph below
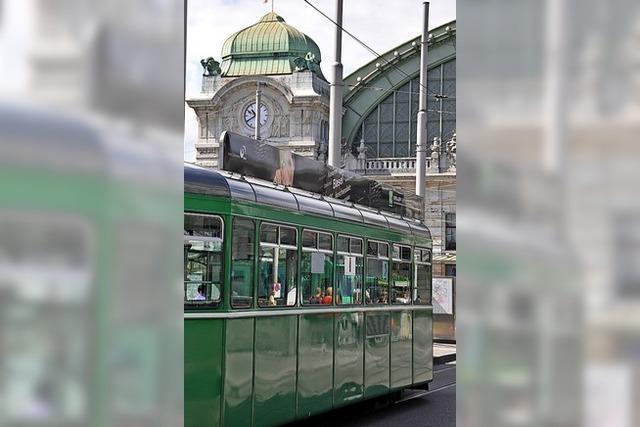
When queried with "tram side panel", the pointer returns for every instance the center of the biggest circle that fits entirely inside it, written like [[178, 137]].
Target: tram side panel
[[275, 370], [315, 364], [238, 378], [202, 371], [349, 358], [422, 346], [376, 354], [401, 347]]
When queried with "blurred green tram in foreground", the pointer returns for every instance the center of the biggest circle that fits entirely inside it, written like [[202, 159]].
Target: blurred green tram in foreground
[[297, 304]]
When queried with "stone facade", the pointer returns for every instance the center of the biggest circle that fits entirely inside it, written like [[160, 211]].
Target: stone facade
[[297, 108]]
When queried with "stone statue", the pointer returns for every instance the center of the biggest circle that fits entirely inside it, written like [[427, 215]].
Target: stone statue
[[309, 62], [211, 67], [322, 151], [451, 151], [362, 156], [434, 165]]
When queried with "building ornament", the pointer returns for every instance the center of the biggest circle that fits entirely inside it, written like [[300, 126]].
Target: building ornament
[[434, 164], [211, 67], [451, 152], [362, 156], [309, 62]]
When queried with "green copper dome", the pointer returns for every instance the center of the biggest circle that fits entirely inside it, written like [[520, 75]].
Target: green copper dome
[[269, 47]]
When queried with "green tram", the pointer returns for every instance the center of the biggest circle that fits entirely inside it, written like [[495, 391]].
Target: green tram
[[296, 304]]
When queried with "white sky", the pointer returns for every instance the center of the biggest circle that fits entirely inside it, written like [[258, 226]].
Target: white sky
[[381, 24]]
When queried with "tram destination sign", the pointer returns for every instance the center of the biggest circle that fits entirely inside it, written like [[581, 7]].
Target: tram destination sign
[[249, 157]]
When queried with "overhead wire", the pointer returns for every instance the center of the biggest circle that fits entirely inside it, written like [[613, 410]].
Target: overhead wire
[[360, 42]]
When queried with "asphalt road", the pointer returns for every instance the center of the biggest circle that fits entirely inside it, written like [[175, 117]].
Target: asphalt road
[[419, 408]]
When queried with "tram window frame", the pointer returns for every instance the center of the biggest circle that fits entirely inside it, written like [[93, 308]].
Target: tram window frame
[[422, 258], [307, 247], [382, 256], [234, 257], [263, 301], [339, 266], [208, 302], [401, 261]]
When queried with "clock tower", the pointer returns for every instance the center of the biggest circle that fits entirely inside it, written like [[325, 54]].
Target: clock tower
[[294, 108]]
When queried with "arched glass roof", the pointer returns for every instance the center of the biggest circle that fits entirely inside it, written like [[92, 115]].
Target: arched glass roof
[[381, 97]]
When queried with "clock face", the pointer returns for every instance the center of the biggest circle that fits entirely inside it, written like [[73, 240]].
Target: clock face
[[250, 115]]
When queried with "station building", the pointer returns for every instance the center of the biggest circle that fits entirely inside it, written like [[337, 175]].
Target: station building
[[379, 114]]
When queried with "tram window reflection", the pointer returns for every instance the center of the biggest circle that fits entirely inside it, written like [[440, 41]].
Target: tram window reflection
[[422, 278], [317, 269], [349, 269], [242, 263], [203, 259], [377, 277]]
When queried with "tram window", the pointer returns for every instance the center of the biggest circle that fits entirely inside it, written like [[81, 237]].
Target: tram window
[[269, 233], [343, 244], [349, 269], [396, 252], [278, 271], [242, 263], [422, 278], [287, 236], [325, 242], [423, 255], [202, 226], [355, 246], [372, 248], [316, 277], [203, 273], [308, 239], [317, 269], [383, 250], [401, 275], [377, 276], [278, 267]]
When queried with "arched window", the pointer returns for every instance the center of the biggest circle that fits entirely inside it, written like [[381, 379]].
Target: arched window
[[389, 130]]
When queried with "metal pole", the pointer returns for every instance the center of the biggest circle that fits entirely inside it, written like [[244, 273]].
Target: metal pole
[[421, 143], [555, 86], [335, 95], [258, 95]]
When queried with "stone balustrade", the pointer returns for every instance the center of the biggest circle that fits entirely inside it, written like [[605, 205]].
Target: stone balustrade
[[393, 165]]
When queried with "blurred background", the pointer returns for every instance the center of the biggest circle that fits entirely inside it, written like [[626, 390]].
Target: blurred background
[[91, 131], [548, 213]]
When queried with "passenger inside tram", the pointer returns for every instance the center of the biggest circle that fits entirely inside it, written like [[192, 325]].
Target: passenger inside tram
[[328, 298], [317, 298]]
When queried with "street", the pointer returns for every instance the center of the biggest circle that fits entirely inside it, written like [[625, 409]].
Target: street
[[416, 408]]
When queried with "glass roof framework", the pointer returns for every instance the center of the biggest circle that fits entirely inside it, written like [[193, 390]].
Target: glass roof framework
[[389, 130], [214, 183]]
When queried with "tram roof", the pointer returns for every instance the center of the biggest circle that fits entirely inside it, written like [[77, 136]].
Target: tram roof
[[209, 182]]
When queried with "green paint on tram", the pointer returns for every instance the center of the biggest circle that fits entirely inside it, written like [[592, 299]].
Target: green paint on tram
[[295, 304]]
